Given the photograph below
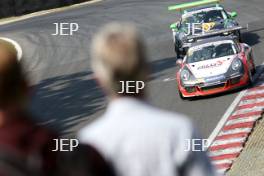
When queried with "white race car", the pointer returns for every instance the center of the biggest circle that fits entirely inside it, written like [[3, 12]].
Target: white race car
[[215, 65]]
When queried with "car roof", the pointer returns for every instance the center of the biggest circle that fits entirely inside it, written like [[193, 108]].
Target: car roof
[[213, 39]]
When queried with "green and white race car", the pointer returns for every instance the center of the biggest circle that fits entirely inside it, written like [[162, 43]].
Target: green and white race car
[[199, 20]]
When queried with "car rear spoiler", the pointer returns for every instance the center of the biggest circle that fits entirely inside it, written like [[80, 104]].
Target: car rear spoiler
[[218, 32], [183, 6]]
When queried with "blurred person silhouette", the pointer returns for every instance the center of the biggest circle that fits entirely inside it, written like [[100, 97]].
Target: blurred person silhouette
[[25, 148], [84, 161], [138, 138]]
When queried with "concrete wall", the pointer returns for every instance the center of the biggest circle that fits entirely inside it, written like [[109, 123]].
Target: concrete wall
[[19, 7]]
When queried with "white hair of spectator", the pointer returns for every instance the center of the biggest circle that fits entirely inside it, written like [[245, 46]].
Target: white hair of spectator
[[118, 54]]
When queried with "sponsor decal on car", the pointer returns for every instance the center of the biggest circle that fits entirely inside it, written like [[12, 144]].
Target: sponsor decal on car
[[207, 26], [211, 65], [215, 78]]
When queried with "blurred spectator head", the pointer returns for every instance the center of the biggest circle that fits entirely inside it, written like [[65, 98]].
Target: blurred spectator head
[[118, 54], [13, 83]]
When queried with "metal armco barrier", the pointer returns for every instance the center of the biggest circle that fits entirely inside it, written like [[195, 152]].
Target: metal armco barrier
[[19, 7]]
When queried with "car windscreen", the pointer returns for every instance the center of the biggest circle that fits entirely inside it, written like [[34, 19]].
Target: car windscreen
[[210, 51], [204, 17]]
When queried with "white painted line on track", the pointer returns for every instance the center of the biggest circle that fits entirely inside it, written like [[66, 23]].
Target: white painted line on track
[[242, 120], [235, 131], [225, 151], [255, 92], [224, 118], [252, 101], [229, 161], [247, 110], [228, 141], [44, 12]]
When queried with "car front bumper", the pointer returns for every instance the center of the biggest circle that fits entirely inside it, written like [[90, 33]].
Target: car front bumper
[[214, 88]]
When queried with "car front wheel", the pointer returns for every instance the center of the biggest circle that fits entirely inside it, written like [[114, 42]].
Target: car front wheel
[[250, 79]]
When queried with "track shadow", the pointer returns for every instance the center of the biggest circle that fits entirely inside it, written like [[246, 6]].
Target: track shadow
[[250, 38], [64, 101], [161, 65], [259, 80]]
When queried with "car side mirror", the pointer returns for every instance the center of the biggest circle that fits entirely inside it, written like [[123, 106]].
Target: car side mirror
[[233, 14], [175, 26], [178, 25], [179, 62]]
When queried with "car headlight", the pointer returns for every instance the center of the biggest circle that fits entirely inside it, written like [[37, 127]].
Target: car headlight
[[190, 40], [236, 64], [230, 25], [185, 75], [226, 33]]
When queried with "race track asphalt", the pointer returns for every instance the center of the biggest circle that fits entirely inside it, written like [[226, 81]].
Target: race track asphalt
[[67, 98]]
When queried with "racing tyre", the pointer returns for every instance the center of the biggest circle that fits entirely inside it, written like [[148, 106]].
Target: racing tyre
[[250, 80], [177, 52], [253, 71], [238, 34]]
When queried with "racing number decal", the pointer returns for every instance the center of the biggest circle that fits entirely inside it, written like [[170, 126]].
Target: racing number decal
[[207, 26]]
